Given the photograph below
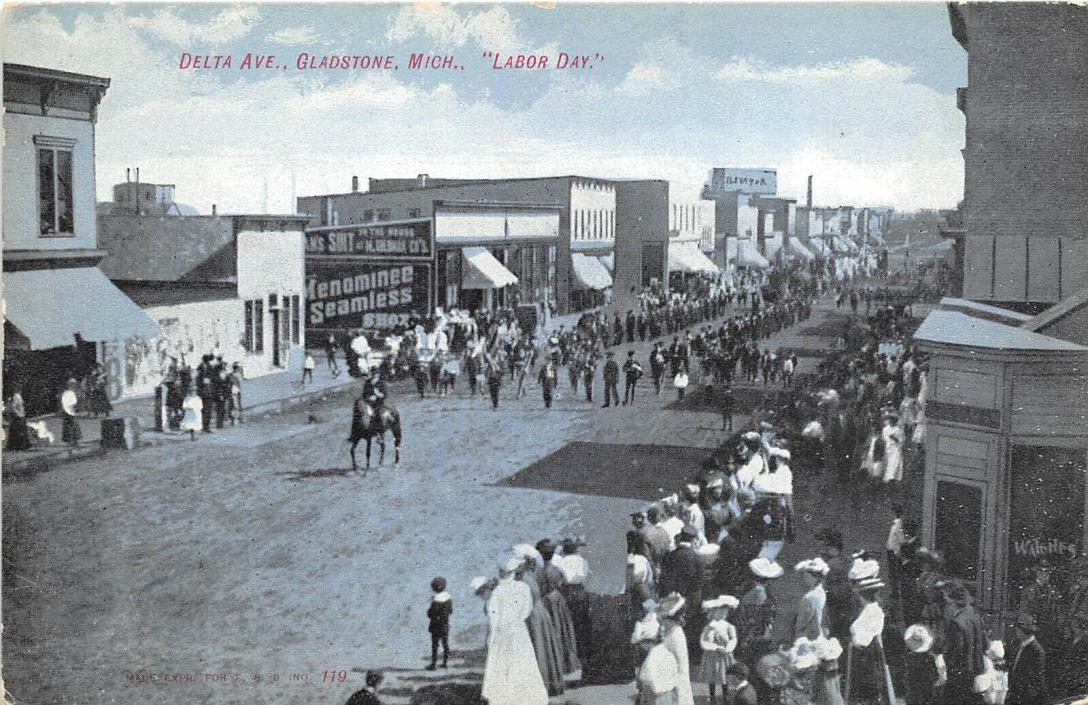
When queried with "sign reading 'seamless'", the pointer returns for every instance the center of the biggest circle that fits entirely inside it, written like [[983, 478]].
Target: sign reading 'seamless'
[[347, 295]]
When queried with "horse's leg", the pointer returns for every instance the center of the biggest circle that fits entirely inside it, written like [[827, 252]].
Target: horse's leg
[[381, 448], [354, 468], [396, 447], [368, 439]]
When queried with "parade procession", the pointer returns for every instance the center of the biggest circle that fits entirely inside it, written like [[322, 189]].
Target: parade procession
[[557, 405]]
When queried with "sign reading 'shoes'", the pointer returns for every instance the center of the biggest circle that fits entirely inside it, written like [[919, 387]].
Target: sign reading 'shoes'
[[762, 181]]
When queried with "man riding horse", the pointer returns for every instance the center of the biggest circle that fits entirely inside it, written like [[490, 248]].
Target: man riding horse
[[372, 417]]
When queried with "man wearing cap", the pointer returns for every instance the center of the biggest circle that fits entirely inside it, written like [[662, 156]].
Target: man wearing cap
[[809, 621], [611, 374], [965, 644], [1027, 674]]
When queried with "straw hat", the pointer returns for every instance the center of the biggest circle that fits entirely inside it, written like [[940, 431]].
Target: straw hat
[[864, 569], [827, 649], [727, 601], [671, 605], [647, 629], [918, 638], [802, 655], [816, 566], [763, 568]]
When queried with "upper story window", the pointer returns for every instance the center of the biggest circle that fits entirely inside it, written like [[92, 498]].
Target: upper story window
[[55, 207], [385, 214]]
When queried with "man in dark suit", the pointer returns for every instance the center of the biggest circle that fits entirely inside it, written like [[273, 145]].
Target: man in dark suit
[[965, 645], [611, 380], [682, 572], [549, 380], [1027, 672]]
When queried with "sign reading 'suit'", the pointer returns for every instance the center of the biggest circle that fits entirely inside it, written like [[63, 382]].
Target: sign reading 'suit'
[[368, 276]]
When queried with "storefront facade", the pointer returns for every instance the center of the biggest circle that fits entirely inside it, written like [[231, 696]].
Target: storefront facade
[[1006, 452]]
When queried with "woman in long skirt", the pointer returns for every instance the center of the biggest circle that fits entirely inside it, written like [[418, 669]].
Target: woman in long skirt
[[551, 581], [511, 676], [18, 432], [546, 644]]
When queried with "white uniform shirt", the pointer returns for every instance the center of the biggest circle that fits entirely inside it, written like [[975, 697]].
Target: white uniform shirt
[[68, 402]]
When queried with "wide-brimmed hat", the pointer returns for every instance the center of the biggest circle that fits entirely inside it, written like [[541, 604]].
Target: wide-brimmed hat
[[802, 655], [827, 649], [722, 601], [527, 551], [779, 453], [511, 564], [687, 534], [764, 568], [918, 638], [868, 584], [478, 582], [816, 566], [646, 629], [671, 605], [862, 569]]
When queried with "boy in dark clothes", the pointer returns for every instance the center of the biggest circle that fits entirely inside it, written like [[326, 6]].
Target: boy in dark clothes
[[439, 615]]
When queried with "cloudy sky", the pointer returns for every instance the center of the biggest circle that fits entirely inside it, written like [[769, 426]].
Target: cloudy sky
[[861, 96]]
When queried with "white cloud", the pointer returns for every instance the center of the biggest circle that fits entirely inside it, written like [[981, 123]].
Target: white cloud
[[230, 24], [293, 36], [492, 29], [741, 68]]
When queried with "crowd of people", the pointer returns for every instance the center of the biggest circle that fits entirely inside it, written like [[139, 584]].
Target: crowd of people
[[195, 398]]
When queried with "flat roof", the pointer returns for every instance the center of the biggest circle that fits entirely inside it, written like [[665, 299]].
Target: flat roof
[[471, 182], [992, 312], [960, 329]]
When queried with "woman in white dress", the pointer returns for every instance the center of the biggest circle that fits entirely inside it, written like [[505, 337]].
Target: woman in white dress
[[893, 448], [193, 406], [511, 674]]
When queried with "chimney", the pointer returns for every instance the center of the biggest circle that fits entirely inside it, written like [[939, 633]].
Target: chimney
[[355, 184], [808, 201], [138, 191], [213, 210], [421, 180]]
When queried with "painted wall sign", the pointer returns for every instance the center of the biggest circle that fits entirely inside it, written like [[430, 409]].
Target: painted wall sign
[[395, 240]]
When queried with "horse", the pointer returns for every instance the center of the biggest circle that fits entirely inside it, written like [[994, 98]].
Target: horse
[[366, 425]]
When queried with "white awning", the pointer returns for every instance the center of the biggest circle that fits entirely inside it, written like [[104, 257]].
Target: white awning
[[590, 272], [49, 306], [748, 255], [609, 262], [798, 248], [483, 271], [685, 256]]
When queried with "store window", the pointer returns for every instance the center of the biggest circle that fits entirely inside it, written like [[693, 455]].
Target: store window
[[1046, 518], [253, 340], [55, 192], [296, 315]]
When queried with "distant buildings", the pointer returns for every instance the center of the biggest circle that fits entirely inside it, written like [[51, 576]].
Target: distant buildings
[[61, 311]]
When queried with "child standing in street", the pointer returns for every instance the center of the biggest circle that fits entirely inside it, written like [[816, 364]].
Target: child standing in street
[[439, 616], [308, 366]]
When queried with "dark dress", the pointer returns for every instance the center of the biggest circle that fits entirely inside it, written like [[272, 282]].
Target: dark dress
[[18, 432]]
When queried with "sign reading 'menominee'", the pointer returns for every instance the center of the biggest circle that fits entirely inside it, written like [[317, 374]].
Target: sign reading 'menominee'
[[368, 276]]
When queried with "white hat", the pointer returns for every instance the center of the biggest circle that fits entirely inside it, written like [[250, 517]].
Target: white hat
[[670, 499], [827, 649], [727, 601], [802, 654], [478, 582], [752, 436], [671, 605], [764, 568], [918, 638], [780, 452], [996, 651], [646, 629], [816, 566], [526, 550], [863, 569], [873, 583], [511, 564], [692, 488]]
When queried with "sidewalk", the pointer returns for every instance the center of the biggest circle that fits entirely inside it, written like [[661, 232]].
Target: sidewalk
[[270, 393]]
